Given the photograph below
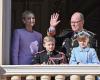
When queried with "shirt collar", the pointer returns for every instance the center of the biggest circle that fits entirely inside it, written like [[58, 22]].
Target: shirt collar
[[84, 49]]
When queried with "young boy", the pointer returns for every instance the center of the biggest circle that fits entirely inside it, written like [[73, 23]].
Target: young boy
[[83, 54], [49, 55]]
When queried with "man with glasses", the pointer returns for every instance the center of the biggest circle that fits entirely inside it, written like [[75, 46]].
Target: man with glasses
[[69, 39]]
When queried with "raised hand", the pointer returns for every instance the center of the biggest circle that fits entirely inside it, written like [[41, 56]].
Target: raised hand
[[54, 20]]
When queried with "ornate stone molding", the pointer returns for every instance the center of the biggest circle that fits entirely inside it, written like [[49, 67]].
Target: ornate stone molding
[[49, 69]]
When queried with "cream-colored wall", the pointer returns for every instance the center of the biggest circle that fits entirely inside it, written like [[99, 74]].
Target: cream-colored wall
[[1, 8], [5, 30]]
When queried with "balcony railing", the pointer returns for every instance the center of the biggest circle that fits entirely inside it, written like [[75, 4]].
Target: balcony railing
[[45, 72]]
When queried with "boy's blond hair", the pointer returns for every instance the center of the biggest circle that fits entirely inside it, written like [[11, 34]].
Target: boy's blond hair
[[48, 39]]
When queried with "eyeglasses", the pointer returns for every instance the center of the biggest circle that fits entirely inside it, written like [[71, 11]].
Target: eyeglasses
[[76, 21]]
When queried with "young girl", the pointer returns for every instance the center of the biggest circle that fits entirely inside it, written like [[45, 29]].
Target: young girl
[[83, 54]]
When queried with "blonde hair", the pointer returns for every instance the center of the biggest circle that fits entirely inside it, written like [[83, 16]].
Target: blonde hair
[[48, 39]]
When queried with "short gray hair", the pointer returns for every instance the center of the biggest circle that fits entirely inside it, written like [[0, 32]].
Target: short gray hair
[[81, 16]]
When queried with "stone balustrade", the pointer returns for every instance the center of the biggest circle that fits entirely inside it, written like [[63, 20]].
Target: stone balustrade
[[46, 72]]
